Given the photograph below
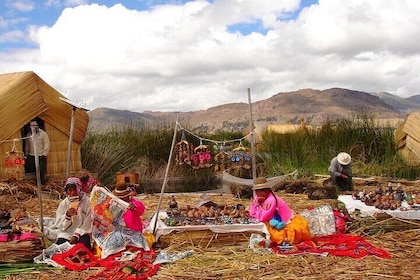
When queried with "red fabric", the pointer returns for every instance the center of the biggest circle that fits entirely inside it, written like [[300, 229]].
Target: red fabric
[[79, 258], [337, 245], [341, 221], [141, 267]]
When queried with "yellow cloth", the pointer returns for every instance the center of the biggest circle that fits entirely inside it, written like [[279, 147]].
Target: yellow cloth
[[150, 238], [294, 232]]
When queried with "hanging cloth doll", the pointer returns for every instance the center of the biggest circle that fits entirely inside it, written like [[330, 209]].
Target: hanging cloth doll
[[15, 162]]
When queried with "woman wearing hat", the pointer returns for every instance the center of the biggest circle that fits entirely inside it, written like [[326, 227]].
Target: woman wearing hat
[[282, 224], [73, 217], [340, 171], [132, 216], [88, 182]]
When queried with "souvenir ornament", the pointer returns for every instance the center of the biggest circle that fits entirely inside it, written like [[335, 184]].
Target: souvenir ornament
[[183, 151], [14, 162], [202, 157], [241, 157], [221, 161]]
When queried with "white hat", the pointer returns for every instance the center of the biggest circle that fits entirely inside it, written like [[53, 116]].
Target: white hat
[[344, 158]]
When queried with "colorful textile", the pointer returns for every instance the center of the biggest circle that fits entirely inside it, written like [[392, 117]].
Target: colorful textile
[[335, 244], [76, 258], [109, 230], [321, 220], [80, 258], [17, 237], [139, 268]]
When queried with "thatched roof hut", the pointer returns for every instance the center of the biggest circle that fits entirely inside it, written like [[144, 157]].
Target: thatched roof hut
[[407, 136], [24, 96]]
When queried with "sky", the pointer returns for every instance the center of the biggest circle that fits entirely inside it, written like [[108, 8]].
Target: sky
[[180, 55]]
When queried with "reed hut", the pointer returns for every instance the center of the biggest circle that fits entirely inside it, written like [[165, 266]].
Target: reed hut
[[407, 137], [24, 96]]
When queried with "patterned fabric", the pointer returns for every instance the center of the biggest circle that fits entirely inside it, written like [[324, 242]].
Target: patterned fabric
[[109, 229], [321, 220], [76, 258]]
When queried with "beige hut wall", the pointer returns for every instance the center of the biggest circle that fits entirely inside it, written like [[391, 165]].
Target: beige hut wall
[[57, 157]]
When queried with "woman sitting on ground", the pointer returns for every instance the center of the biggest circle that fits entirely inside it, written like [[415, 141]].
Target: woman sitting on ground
[[135, 208], [283, 225]]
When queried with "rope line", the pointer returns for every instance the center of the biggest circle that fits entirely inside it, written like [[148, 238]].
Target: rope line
[[14, 140], [211, 140]]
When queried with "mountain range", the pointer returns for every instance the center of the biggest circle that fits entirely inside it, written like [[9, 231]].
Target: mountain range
[[312, 106]]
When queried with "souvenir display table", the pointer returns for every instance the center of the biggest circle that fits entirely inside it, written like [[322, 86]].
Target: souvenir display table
[[210, 232], [403, 212]]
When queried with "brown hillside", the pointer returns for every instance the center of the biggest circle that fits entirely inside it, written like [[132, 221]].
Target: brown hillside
[[315, 106]]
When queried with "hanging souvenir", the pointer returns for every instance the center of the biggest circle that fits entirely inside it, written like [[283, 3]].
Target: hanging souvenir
[[241, 157], [201, 157], [14, 162], [183, 151], [221, 159]]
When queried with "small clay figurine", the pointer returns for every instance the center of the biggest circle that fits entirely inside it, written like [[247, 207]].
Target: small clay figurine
[[390, 189], [172, 203], [379, 190], [399, 193]]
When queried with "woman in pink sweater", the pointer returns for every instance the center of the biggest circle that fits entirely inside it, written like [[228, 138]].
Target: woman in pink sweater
[[282, 224], [132, 216]]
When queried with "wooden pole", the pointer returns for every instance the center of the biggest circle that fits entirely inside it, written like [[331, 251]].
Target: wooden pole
[[70, 142], [165, 180], [38, 179], [251, 131]]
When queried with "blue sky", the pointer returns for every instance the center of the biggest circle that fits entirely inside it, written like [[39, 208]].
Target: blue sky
[[188, 55]]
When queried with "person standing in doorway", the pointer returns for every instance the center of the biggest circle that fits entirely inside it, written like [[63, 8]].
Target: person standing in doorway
[[42, 143]]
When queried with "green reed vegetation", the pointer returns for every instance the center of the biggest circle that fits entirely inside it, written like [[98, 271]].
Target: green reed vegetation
[[126, 149], [146, 151], [373, 149]]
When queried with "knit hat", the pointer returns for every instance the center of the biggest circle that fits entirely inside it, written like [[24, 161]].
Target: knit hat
[[344, 158], [261, 183], [121, 189], [73, 182]]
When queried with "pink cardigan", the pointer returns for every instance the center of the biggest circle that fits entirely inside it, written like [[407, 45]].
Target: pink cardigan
[[132, 217], [265, 211]]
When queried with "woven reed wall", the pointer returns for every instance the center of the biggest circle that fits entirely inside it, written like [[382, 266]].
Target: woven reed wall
[[57, 157], [407, 137]]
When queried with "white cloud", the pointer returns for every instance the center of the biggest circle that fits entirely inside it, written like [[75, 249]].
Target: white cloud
[[21, 5], [182, 57]]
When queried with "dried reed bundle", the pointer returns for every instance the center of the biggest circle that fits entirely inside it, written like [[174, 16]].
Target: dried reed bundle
[[20, 251]]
